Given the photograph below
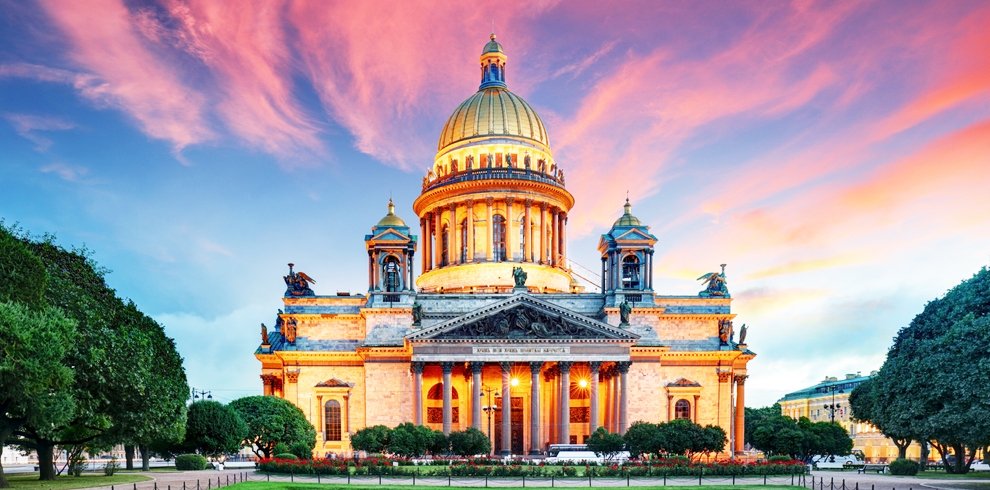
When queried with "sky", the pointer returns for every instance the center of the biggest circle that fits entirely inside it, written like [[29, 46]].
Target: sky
[[836, 155]]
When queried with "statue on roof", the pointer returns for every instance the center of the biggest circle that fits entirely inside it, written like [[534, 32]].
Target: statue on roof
[[715, 284], [297, 283], [519, 276], [624, 310], [289, 330], [417, 313], [724, 331], [742, 334], [264, 334]]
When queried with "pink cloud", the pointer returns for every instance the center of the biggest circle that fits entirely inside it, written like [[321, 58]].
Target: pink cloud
[[69, 173], [103, 40], [30, 126]]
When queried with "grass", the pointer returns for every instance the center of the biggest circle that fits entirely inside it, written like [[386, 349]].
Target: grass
[[87, 480], [252, 485]]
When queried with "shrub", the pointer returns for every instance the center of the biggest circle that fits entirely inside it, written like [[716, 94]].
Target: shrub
[[286, 456], [281, 448], [903, 466], [111, 467], [190, 462], [301, 450], [779, 459]]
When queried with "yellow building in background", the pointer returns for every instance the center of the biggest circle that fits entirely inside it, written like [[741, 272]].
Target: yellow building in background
[[829, 401]]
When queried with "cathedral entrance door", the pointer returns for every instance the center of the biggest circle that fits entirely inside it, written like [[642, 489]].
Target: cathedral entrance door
[[516, 424]]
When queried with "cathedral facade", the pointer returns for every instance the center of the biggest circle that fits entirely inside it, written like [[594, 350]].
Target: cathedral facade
[[477, 320]]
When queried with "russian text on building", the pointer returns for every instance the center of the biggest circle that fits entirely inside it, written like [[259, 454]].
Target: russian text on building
[[493, 331]]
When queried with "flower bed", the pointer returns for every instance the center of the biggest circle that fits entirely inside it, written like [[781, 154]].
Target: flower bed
[[525, 468]]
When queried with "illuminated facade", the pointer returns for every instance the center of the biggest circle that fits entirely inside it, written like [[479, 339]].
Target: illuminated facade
[[495, 312]]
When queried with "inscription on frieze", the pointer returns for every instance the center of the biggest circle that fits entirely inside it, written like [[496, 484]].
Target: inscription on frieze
[[521, 350]]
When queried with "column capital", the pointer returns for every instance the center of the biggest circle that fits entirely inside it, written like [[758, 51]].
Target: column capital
[[506, 366], [417, 367], [489, 200], [448, 367], [528, 202], [595, 366], [543, 206], [724, 376], [564, 366], [509, 200], [469, 202], [741, 379], [477, 366], [623, 366], [535, 367]]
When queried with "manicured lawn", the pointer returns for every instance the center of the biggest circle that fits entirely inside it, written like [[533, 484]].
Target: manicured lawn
[[251, 485], [30, 480]]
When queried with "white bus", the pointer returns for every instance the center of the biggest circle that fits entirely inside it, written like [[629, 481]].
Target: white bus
[[579, 453]]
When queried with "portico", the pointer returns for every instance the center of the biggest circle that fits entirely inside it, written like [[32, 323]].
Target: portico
[[549, 361]]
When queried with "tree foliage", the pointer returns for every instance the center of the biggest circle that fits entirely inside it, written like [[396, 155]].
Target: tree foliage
[[930, 387], [800, 439], [214, 429], [755, 418], [373, 440], [677, 437], [469, 443], [271, 420], [127, 385], [606, 444]]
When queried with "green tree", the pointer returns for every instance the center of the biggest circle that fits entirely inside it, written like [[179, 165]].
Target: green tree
[[606, 444], [929, 385], [34, 378], [22, 274], [711, 440], [409, 440], [642, 438], [271, 420], [214, 429], [779, 436], [469, 443], [372, 440], [756, 416], [438, 443], [865, 408]]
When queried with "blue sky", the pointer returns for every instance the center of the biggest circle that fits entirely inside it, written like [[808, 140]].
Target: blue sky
[[833, 154]]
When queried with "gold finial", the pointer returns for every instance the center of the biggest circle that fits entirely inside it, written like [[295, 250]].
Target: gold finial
[[492, 37], [391, 207]]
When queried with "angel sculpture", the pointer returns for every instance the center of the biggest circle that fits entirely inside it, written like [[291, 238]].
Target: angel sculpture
[[264, 334], [716, 284], [297, 283], [742, 334]]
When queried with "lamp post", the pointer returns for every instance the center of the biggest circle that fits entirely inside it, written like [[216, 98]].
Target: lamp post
[[201, 395], [489, 409], [834, 406]]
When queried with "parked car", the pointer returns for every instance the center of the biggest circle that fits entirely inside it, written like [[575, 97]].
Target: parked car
[[832, 462]]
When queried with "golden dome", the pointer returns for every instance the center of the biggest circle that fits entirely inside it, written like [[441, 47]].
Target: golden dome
[[390, 219], [493, 111]]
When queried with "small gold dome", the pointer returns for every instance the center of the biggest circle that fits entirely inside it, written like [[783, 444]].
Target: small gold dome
[[390, 219], [494, 111]]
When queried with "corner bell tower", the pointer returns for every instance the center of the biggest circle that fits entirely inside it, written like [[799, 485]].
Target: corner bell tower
[[627, 261], [390, 259]]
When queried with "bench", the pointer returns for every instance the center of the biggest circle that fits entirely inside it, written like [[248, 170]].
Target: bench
[[879, 468]]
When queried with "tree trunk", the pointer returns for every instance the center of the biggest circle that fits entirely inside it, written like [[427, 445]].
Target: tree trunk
[[961, 467], [924, 455], [46, 461], [129, 456], [902, 446], [145, 458]]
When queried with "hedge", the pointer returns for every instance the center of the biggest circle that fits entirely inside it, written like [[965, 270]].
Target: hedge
[[903, 466], [190, 462], [657, 468]]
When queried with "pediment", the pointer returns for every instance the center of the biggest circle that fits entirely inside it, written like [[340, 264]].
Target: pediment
[[390, 234], [635, 234], [523, 317]]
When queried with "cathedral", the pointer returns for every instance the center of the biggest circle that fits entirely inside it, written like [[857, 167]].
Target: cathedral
[[476, 320]]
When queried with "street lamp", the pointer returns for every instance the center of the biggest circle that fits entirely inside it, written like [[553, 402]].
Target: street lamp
[[201, 395], [834, 406], [490, 409]]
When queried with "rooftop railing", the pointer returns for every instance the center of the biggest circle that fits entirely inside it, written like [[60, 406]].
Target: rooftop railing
[[502, 173]]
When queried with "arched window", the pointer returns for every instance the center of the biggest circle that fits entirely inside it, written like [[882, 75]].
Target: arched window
[[391, 274], [434, 405], [682, 409], [498, 238], [630, 272], [522, 238], [444, 245], [464, 240], [331, 418]]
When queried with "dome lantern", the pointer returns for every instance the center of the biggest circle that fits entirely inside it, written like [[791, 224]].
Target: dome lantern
[[492, 65]]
